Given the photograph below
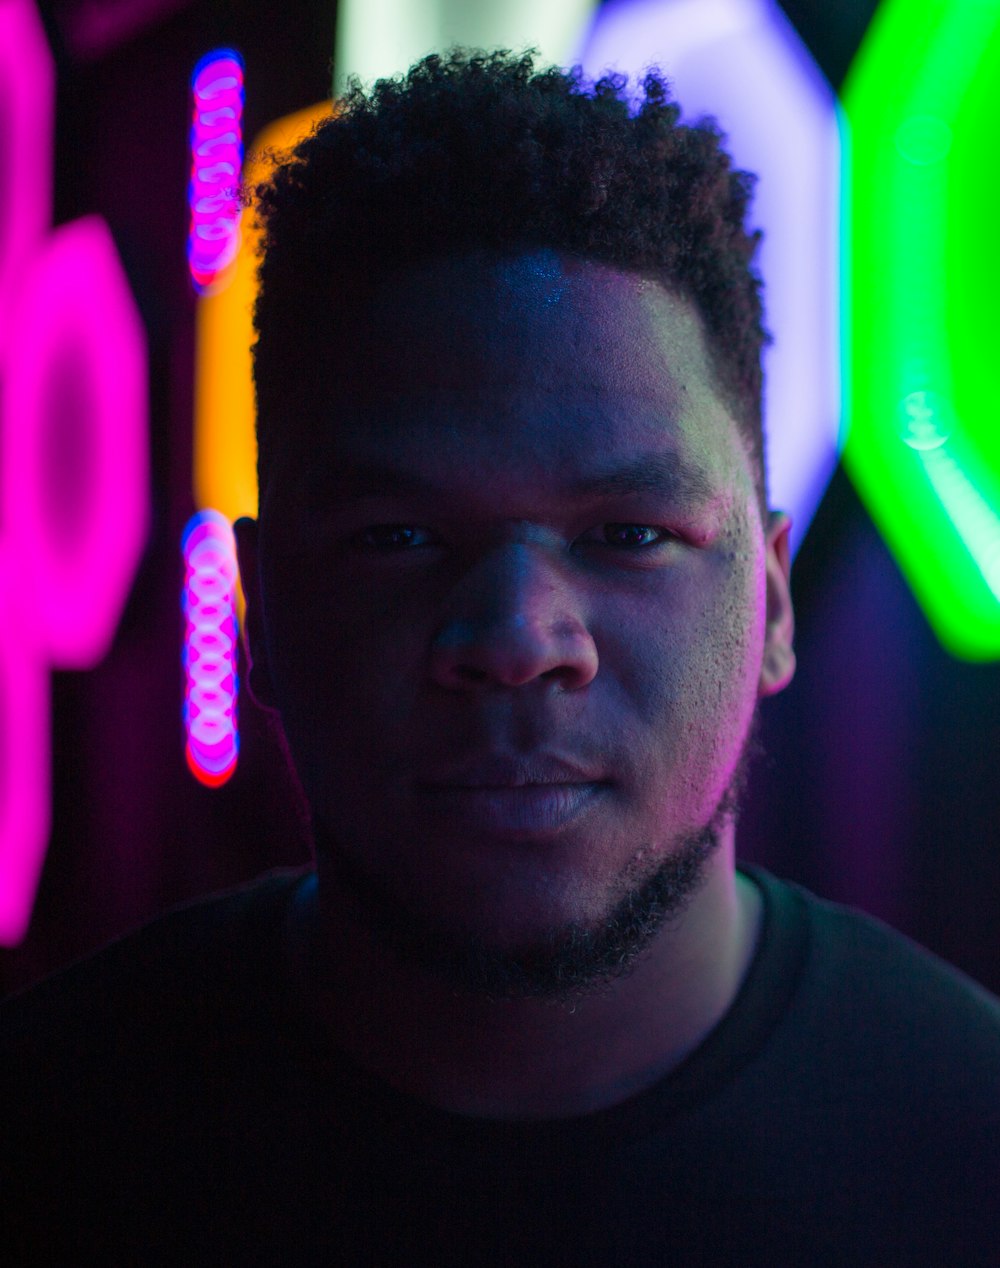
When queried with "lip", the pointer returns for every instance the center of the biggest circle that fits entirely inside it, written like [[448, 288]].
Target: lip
[[525, 810], [508, 770]]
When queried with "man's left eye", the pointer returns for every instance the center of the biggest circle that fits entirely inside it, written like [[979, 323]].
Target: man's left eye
[[635, 535]]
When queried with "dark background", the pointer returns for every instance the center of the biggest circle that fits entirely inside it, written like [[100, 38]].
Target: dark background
[[881, 781]]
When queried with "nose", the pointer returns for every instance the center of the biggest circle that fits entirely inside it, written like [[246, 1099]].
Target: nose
[[513, 620]]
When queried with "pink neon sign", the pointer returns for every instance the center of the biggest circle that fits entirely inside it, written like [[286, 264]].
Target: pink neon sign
[[74, 471], [210, 648], [26, 107], [73, 453], [25, 814], [216, 160]]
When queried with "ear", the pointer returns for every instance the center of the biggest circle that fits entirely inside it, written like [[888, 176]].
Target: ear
[[779, 657], [259, 678]]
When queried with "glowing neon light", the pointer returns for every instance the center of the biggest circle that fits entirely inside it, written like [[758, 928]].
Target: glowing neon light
[[25, 815], [923, 447], [216, 162], [210, 648], [225, 449], [27, 94], [74, 470], [383, 37], [742, 62], [73, 452]]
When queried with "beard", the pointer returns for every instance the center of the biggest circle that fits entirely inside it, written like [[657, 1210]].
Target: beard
[[569, 962]]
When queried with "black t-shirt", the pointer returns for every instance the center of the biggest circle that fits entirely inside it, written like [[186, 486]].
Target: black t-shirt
[[168, 1101]]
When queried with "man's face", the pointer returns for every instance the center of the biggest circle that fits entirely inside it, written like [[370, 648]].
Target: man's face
[[441, 590]]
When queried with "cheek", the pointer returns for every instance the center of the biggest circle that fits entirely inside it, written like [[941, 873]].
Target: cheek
[[697, 700], [345, 667]]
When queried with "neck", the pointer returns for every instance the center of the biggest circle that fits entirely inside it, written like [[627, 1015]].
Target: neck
[[529, 1058]]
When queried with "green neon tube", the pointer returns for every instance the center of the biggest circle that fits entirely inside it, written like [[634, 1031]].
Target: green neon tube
[[922, 274]]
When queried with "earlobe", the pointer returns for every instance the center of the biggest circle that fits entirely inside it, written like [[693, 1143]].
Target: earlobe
[[259, 675], [778, 664]]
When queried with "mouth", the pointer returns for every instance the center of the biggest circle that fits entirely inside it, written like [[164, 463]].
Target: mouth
[[520, 810]]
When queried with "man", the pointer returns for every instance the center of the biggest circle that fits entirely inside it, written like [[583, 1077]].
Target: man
[[513, 597]]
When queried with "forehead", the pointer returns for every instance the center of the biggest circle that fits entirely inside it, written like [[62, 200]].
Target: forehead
[[538, 364], [518, 320]]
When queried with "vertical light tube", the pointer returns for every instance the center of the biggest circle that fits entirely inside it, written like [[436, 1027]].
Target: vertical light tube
[[210, 648], [742, 62], [216, 164], [923, 448]]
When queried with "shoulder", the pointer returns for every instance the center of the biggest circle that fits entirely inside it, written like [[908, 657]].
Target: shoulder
[[883, 1017], [184, 963], [123, 1077]]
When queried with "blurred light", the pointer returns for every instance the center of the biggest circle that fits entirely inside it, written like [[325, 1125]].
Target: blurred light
[[25, 815], [27, 92], [225, 450], [73, 452], [741, 62], [975, 518], [216, 162], [922, 281], [378, 38], [210, 648], [74, 470]]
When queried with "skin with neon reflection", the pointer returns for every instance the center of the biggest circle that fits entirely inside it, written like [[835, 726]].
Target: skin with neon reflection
[[512, 622]]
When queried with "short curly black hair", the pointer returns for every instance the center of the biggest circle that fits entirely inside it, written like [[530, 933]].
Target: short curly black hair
[[475, 149]]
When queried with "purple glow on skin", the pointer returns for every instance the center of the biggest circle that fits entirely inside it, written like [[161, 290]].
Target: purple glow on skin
[[741, 62], [210, 648], [24, 752], [27, 93], [216, 162], [74, 471]]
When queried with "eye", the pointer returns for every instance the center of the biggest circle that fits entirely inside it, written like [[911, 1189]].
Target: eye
[[389, 537], [393, 538], [635, 536]]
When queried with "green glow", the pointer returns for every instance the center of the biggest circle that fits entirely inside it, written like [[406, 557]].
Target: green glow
[[921, 281]]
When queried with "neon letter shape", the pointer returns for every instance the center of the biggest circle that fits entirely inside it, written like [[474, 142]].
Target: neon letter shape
[[923, 447], [25, 814], [27, 94], [210, 643], [216, 161], [741, 62], [74, 469]]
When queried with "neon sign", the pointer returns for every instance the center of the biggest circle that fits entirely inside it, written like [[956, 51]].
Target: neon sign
[[923, 447], [210, 648], [74, 478], [225, 453], [374, 40], [74, 470], [27, 99], [216, 161], [742, 62]]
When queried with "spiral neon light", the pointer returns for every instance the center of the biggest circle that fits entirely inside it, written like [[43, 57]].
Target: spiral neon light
[[216, 162], [923, 447], [210, 643]]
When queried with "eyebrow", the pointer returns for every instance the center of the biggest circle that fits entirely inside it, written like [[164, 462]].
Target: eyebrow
[[655, 472]]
